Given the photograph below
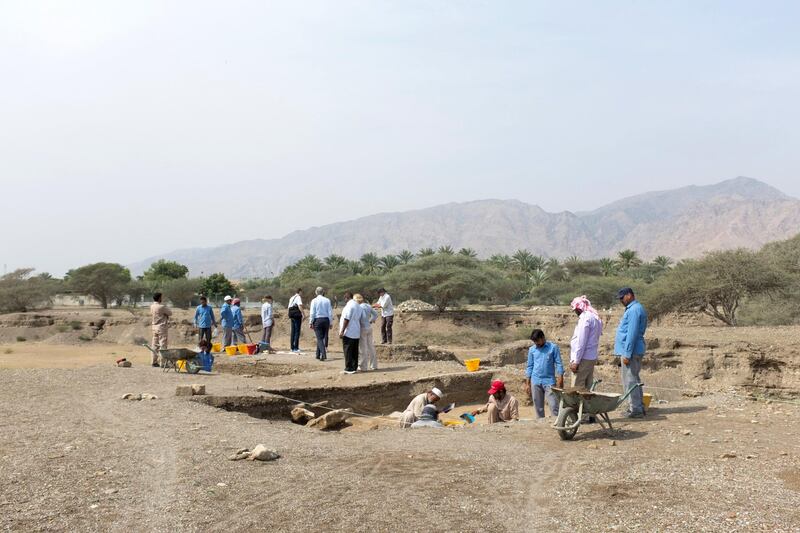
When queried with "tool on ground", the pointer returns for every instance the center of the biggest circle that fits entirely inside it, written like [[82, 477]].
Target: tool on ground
[[468, 418]]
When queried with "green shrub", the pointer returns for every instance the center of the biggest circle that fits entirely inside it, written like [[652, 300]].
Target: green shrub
[[75, 325], [85, 338], [106, 314], [21, 339], [62, 328]]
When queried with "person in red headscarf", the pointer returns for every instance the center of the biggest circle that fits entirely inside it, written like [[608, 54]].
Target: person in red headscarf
[[502, 407]]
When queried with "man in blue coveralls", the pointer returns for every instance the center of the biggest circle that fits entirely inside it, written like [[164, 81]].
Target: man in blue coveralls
[[629, 345]]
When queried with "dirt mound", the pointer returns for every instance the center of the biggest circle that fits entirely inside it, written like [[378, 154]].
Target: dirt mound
[[415, 306], [513, 353], [389, 353]]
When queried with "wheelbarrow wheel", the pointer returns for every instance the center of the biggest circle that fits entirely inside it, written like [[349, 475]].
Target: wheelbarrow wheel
[[192, 367], [567, 417]]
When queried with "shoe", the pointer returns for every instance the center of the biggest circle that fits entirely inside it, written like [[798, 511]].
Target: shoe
[[349, 372], [633, 415], [156, 365], [359, 369], [376, 368]]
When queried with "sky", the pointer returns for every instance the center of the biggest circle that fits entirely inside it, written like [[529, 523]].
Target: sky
[[130, 129]]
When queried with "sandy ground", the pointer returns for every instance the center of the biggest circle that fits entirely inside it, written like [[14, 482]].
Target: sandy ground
[[75, 457]]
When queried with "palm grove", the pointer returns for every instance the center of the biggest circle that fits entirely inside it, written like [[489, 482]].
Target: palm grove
[[734, 287]]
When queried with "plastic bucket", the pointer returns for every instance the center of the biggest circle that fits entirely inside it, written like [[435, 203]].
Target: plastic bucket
[[180, 364], [646, 400], [472, 364], [216, 346], [251, 348], [242, 348], [230, 350]]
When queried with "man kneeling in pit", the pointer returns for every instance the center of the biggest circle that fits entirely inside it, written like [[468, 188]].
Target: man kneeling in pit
[[502, 407], [414, 410]]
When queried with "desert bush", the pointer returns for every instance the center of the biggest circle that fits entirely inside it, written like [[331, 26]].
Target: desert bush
[[62, 328], [108, 282], [21, 339], [85, 338], [602, 291], [75, 325], [20, 291], [716, 285]]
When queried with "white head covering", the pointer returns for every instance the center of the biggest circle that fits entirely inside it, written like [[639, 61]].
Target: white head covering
[[437, 392], [227, 298]]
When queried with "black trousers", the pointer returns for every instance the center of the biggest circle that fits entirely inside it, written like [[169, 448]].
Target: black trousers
[[386, 329], [297, 324], [205, 333], [321, 328], [350, 347]]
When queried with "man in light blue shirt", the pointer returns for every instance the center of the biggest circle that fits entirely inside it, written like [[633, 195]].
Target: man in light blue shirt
[[238, 322], [630, 346], [544, 370], [204, 319], [226, 318], [320, 318], [350, 332]]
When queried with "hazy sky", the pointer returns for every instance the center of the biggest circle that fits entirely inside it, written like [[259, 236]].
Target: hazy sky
[[129, 129]]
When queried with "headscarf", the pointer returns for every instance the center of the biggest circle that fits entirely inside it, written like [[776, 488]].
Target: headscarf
[[585, 306]]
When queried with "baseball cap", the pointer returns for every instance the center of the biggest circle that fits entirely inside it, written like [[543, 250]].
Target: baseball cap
[[497, 386], [227, 298]]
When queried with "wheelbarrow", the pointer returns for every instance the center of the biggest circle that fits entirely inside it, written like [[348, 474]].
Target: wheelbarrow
[[170, 358], [575, 403]]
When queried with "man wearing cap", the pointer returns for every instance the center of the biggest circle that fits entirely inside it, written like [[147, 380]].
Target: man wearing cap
[[414, 409], [238, 322], [585, 342], [428, 419], [629, 345], [226, 319], [502, 407], [204, 320]]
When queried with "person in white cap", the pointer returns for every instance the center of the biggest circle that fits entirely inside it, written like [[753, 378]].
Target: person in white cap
[[226, 320], [414, 409]]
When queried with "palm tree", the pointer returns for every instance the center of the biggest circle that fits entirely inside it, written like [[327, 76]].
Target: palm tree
[[405, 257], [310, 263], [501, 261], [334, 261], [608, 267], [425, 252], [355, 267], [663, 262], [371, 263], [555, 270], [468, 252], [447, 250], [526, 262], [627, 259], [538, 277], [388, 262]]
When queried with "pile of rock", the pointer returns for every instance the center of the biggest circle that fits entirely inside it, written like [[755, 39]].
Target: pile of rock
[[318, 416], [415, 306], [259, 453], [138, 397]]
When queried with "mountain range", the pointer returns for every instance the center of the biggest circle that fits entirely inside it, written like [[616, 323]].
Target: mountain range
[[679, 223]]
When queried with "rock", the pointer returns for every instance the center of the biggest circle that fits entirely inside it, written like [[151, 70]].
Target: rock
[[240, 455], [198, 390], [612, 443], [687, 432], [148, 396], [243, 450], [714, 441], [301, 415], [331, 419], [262, 453], [728, 455], [109, 492], [131, 396], [183, 390], [414, 306], [124, 364], [512, 353], [222, 484]]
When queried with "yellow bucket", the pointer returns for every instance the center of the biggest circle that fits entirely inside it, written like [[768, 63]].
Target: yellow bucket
[[242, 348], [453, 423], [216, 346], [646, 400], [472, 364], [230, 350], [180, 364]]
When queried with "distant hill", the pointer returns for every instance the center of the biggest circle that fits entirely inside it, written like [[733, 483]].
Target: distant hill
[[679, 223]]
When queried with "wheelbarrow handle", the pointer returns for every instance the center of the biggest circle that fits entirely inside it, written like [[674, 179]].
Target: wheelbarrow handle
[[633, 388]]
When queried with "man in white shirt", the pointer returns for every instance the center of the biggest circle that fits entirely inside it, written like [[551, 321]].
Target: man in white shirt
[[267, 321], [321, 321], [387, 315], [350, 332], [295, 311]]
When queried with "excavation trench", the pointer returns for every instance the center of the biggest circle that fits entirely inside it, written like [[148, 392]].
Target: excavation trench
[[375, 399]]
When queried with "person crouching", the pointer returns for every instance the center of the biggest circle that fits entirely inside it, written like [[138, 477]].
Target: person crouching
[[502, 407]]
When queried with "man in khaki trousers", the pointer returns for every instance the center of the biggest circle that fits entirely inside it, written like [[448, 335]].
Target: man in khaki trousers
[[161, 314], [585, 343]]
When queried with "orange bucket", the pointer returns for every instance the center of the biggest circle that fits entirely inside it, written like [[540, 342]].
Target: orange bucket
[[251, 349]]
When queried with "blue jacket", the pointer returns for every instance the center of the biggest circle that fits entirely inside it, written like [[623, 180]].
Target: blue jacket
[[544, 363], [238, 319], [630, 333], [226, 315], [204, 317]]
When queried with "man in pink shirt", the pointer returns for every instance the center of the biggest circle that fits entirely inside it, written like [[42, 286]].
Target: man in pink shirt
[[584, 343]]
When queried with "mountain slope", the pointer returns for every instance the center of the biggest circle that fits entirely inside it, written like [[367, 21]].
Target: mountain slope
[[681, 223]]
